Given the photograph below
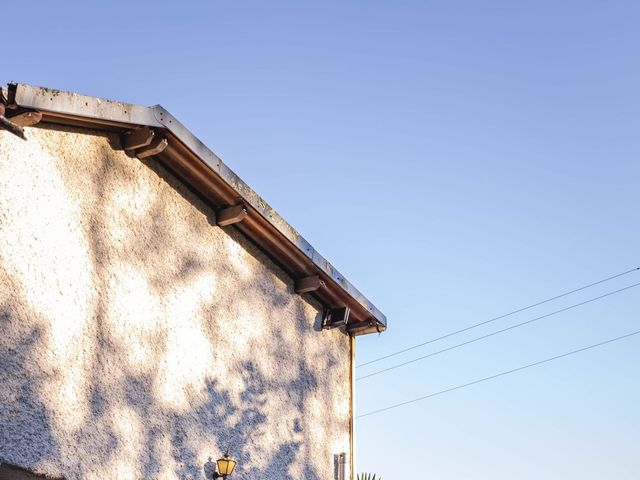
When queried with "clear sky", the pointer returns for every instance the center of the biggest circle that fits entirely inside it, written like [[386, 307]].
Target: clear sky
[[456, 160]]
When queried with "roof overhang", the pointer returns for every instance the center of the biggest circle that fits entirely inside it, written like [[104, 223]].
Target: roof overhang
[[200, 168]]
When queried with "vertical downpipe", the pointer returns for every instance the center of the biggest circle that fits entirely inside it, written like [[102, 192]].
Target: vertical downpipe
[[352, 420], [342, 466]]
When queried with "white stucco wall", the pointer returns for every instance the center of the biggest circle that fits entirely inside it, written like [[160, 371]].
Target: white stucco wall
[[137, 339]]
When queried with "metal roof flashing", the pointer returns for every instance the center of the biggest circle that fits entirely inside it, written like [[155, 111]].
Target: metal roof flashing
[[153, 131]]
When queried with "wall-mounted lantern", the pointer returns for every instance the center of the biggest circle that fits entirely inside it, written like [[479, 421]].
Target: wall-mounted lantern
[[225, 465]]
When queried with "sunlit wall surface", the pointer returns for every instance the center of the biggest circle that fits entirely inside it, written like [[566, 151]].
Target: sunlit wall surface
[[138, 339]]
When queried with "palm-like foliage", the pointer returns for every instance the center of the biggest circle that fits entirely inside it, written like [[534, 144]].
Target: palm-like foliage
[[368, 476]]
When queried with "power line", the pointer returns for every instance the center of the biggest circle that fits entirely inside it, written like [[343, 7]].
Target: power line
[[477, 339], [501, 374], [393, 354]]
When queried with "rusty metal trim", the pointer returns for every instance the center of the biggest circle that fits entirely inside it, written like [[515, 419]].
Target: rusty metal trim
[[76, 105]]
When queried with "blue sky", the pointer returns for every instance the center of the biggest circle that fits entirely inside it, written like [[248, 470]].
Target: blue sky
[[456, 160]]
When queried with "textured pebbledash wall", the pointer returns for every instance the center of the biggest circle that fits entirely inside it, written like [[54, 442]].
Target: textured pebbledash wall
[[137, 339]]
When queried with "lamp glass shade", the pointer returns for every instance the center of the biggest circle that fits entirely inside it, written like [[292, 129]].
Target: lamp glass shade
[[226, 464]]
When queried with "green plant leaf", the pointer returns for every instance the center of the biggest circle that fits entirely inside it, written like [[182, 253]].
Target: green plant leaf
[[368, 476]]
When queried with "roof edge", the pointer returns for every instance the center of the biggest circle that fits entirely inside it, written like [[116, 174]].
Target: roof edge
[[58, 107]]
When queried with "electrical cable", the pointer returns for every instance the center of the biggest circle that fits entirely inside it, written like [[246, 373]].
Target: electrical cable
[[398, 352], [477, 339], [501, 374]]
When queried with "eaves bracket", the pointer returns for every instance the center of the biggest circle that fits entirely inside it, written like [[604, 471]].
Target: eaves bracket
[[308, 284], [230, 215], [143, 142], [13, 119]]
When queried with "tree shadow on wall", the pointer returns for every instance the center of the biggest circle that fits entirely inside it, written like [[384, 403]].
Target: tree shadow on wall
[[218, 416], [24, 418]]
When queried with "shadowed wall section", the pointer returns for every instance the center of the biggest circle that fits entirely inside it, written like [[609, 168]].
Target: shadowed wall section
[[138, 339]]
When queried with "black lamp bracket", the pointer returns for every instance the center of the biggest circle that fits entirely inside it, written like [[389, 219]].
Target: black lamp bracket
[[335, 317]]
